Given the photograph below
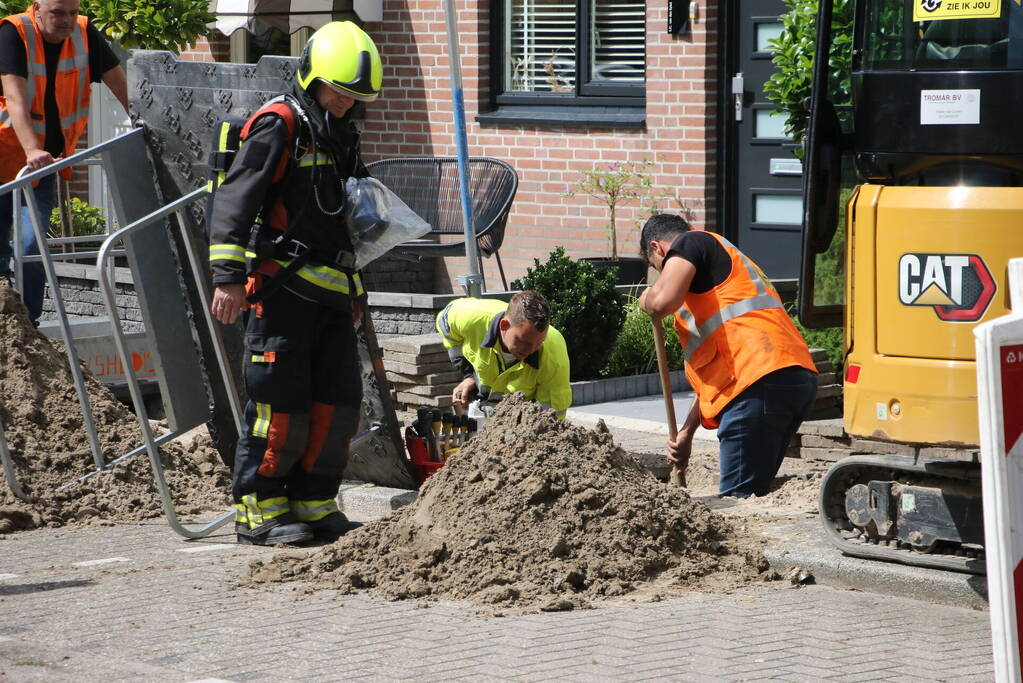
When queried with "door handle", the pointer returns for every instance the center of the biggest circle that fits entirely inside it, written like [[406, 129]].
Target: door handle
[[737, 94]]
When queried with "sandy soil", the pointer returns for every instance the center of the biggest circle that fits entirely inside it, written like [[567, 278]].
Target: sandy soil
[[535, 514], [47, 439]]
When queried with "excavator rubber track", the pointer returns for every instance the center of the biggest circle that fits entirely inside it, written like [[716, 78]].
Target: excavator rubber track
[[914, 510]]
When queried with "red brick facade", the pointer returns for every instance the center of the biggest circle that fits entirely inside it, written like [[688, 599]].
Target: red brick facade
[[413, 117]]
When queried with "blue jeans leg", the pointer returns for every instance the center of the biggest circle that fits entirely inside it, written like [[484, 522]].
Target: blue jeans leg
[[755, 428], [6, 208], [35, 276]]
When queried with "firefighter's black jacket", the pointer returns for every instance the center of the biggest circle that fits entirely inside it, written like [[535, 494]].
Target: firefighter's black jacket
[[284, 193]]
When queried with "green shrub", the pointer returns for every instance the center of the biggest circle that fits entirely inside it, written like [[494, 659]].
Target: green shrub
[[793, 52], [9, 7], [831, 339], [585, 307], [633, 352], [148, 24], [85, 219], [151, 24]]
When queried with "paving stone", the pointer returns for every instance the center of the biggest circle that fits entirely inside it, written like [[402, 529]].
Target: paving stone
[[174, 616], [817, 441], [824, 454], [831, 427]]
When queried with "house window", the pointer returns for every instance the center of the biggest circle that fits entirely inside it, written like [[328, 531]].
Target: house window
[[571, 51], [247, 48]]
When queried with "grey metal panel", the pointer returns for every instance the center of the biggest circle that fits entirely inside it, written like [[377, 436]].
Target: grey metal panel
[[180, 102], [158, 286]]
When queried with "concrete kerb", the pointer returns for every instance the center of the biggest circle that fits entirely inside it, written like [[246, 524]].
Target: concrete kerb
[[362, 502], [810, 550]]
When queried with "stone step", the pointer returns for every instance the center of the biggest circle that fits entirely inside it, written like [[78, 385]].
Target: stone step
[[431, 379], [416, 400], [415, 344]]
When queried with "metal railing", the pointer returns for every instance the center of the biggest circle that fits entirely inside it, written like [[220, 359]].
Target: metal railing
[[21, 190], [105, 257]]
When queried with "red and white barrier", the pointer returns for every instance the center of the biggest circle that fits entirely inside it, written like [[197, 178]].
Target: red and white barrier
[[1000, 405]]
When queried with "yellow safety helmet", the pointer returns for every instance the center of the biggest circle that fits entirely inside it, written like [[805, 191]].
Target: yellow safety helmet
[[342, 55]]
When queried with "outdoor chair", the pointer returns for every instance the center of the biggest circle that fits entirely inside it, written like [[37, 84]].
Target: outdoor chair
[[430, 187]]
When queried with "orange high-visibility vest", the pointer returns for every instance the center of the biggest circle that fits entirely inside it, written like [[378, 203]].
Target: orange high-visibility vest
[[72, 89], [734, 334]]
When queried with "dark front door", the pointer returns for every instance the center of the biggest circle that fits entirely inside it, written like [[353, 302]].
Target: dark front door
[[762, 175]]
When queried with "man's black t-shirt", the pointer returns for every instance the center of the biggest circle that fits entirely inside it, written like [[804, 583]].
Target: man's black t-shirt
[[13, 60], [712, 262]]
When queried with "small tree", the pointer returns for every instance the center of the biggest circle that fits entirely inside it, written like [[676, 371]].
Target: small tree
[[617, 184], [792, 84], [585, 307]]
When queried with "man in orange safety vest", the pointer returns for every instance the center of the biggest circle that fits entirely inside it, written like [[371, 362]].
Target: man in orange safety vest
[[749, 366], [49, 57]]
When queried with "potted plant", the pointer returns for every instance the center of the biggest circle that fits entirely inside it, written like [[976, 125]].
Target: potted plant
[[621, 182]]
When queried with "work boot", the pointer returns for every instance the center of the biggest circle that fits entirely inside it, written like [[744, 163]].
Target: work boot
[[295, 532], [332, 527]]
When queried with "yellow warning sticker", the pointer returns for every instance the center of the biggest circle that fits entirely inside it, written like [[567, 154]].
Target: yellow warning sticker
[[938, 10]]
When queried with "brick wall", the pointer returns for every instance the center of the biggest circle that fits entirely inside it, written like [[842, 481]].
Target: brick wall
[[80, 289], [413, 117], [215, 47]]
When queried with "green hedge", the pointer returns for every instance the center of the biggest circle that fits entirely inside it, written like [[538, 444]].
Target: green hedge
[[585, 307], [633, 352]]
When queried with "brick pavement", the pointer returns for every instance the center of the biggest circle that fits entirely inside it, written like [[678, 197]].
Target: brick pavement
[[161, 614]]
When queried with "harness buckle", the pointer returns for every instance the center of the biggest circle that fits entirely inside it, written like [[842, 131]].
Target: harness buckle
[[295, 248]]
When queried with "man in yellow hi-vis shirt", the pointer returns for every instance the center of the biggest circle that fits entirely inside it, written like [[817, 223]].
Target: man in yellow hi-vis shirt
[[502, 348]]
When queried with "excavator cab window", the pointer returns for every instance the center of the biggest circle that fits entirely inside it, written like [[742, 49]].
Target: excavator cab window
[[904, 51], [896, 36]]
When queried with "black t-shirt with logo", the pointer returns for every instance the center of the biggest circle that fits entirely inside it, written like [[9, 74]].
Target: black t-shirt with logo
[[13, 60], [713, 264]]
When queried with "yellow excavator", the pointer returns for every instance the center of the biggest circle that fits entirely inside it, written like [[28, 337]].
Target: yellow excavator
[[914, 195]]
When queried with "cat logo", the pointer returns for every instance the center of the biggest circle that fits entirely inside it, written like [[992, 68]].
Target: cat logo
[[959, 287]]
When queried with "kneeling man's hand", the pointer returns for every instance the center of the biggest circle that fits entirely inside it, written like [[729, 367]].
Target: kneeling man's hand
[[462, 393]]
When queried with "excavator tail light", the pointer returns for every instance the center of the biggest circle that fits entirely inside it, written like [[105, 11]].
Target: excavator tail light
[[852, 373]]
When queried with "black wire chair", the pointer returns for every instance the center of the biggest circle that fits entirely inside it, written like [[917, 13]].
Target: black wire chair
[[430, 187]]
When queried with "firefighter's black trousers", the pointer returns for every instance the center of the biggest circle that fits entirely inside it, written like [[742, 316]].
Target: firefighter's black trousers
[[305, 390]]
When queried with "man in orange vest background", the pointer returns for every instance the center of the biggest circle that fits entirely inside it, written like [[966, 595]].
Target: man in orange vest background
[[49, 57], [749, 366]]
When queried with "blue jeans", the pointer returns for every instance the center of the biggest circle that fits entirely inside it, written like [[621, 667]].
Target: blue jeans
[[35, 277], [756, 426]]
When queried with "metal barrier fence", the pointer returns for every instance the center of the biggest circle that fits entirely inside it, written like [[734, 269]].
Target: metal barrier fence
[[136, 206]]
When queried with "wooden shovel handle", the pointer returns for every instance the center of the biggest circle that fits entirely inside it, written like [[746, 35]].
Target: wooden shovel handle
[[678, 473]]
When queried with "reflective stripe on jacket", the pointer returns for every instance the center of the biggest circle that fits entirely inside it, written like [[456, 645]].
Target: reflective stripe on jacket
[[469, 329], [72, 88], [734, 334]]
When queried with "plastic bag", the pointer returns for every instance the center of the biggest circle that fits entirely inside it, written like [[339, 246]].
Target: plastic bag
[[378, 220]]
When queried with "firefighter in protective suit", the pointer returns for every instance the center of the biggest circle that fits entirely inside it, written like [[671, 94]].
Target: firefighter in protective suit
[[280, 252]]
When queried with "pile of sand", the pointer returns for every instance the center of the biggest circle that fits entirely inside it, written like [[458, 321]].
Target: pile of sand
[[534, 513], [49, 446], [799, 492]]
